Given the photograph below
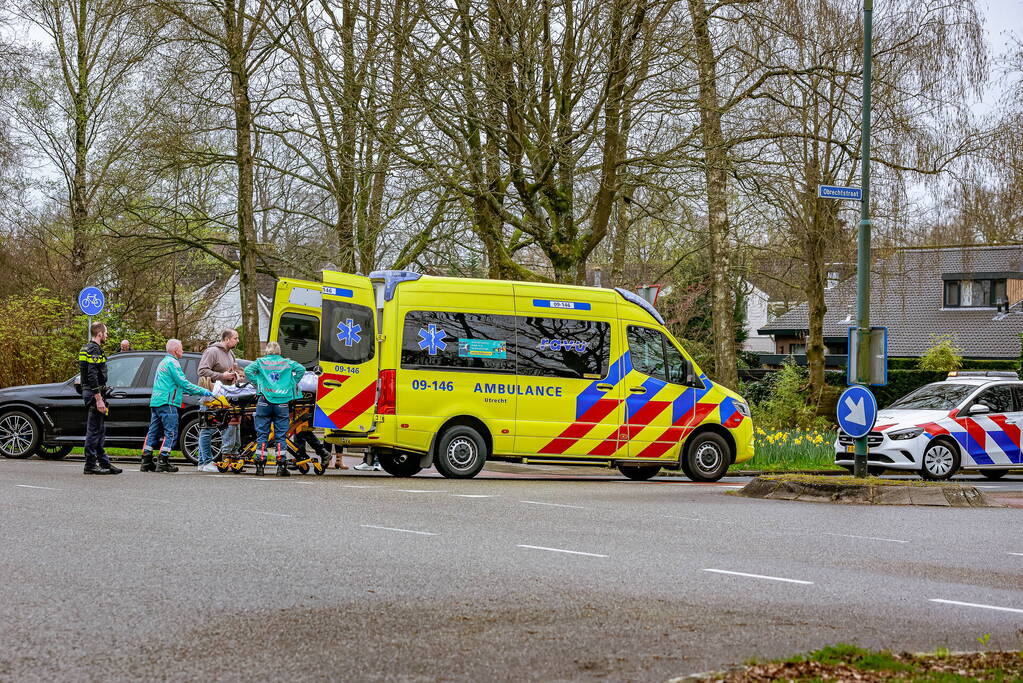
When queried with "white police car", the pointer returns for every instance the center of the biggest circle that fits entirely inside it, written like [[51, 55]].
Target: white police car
[[972, 420]]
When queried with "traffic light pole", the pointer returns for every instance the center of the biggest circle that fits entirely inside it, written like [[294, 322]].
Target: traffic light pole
[[863, 239]]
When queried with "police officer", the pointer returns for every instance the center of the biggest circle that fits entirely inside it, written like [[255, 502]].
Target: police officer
[[92, 367]]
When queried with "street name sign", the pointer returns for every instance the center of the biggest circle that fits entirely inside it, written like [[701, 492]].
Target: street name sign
[[837, 192], [857, 411]]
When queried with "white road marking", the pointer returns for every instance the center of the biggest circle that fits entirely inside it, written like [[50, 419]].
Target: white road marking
[[759, 576], [557, 505], [260, 512], [44, 488], [420, 491], [697, 519], [559, 550], [357, 486], [388, 528], [1018, 554], [471, 495], [867, 538], [974, 604]]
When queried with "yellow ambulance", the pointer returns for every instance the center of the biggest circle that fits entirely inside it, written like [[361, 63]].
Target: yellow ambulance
[[453, 372]]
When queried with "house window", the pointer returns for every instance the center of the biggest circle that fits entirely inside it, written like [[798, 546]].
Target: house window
[[974, 293], [797, 349]]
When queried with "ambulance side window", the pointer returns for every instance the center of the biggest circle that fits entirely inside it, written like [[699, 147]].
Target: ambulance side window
[[653, 354], [563, 347], [299, 337], [441, 340], [347, 335]]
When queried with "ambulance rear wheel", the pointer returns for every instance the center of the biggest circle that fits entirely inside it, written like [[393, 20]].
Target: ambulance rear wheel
[[400, 464], [461, 453], [994, 474], [707, 457], [638, 472]]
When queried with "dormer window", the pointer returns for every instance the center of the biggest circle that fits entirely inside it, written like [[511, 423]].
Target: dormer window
[[974, 293]]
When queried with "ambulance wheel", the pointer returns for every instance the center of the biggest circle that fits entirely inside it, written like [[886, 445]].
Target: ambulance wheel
[[638, 472], [940, 461], [400, 464], [461, 453], [994, 474], [707, 457]]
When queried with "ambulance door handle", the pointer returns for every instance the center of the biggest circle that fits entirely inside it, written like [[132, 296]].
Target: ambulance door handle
[[637, 390], [331, 383], [604, 386]]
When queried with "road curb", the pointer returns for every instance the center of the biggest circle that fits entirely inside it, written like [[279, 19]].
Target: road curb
[[887, 493]]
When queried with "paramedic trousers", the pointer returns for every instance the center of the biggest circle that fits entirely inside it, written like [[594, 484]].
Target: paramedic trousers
[[163, 429], [275, 414]]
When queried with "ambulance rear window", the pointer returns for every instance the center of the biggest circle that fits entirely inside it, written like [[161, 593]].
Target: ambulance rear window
[[445, 340], [564, 347], [347, 335]]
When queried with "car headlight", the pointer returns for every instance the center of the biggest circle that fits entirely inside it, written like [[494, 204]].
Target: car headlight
[[901, 434], [742, 408]]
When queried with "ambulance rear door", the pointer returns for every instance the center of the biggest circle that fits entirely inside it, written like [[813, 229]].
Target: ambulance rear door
[[295, 323], [347, 389]]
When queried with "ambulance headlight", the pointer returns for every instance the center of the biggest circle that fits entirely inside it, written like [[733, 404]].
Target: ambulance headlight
[[903, 434], [742, 408]]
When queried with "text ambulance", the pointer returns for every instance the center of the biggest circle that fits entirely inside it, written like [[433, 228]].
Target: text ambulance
[[454, 372]]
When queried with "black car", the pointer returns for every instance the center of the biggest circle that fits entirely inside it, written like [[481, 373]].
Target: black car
[[48, 420]]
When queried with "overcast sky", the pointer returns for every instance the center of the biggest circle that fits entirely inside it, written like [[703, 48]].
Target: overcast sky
[[1003, 22]]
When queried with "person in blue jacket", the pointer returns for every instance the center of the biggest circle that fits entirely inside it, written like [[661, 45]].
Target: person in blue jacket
[[276, 379], [169, 388]]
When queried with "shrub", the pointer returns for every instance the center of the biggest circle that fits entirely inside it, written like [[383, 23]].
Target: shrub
[[943, 356], [787, 404]]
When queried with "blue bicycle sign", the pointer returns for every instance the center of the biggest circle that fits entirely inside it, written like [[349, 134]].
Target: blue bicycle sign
[[91, 301]]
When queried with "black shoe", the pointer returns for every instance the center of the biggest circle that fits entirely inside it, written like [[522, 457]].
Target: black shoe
[[165, 466], [114, 469], [259, 468], [282, 471], [95, 469]]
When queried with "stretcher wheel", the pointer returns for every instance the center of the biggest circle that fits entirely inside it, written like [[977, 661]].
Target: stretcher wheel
[[319, 468], [222, 467], [303, 468]]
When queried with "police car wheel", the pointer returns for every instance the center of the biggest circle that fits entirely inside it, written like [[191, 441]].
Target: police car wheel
[[461, 453], [19, 435], [638, 472], [940, 461], [400, 464], [994, 474], [707, 457]]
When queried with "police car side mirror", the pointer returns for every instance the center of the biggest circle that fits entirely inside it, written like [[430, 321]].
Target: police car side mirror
[[76, 382], [979, 409]]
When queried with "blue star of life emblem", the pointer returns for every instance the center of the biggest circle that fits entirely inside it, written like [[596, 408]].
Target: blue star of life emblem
[[348, 332], [275, 376], [432, 339]]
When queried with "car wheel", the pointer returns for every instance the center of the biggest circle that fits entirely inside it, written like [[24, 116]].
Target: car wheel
[[53, 451], [19, 434], [188, 442], [876, 470], [400, 464], [639, 472], [940, 461], [994, 474], [461, 453], [707, 457]]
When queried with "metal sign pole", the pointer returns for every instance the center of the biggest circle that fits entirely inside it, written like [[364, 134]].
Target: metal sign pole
[[863, 239], [88, 329]]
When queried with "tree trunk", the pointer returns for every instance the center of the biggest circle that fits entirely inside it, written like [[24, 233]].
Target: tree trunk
[[234, 17], [716, 169], [79, 198]]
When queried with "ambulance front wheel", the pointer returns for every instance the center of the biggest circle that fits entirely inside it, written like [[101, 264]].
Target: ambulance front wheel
[[400, 464], [638, 472], [707, 457], [461, 452]]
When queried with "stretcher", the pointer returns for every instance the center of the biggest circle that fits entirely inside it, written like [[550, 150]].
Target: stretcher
[[241, 410]]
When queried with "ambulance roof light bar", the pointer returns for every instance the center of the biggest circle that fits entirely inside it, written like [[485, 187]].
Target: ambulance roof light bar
[[392, 278]]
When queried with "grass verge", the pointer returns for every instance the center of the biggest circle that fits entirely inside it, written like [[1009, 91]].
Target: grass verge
[[793, 449], [844, 662]]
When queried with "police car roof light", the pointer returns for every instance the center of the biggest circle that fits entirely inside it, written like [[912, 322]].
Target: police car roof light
[[641, 302], [984, 373], [391, 279]]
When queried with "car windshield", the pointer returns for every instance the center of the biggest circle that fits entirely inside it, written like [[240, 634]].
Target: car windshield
[[937, 396]]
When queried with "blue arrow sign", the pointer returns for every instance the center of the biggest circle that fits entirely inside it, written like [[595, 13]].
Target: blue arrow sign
[[857, 411], [837, 192], [91, 301]]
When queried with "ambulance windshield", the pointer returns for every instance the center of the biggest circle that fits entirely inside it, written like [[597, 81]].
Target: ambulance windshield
[[937, 396]]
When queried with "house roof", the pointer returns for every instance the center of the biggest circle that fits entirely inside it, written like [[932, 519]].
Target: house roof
[[906, 295]]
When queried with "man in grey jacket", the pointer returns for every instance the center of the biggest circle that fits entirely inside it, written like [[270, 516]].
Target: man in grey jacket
[[218, 365]]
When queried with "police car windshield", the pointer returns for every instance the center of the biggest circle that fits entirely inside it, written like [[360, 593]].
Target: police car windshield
[[937, 396]]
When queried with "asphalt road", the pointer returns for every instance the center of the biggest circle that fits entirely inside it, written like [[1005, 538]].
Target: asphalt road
[[505, 577]]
